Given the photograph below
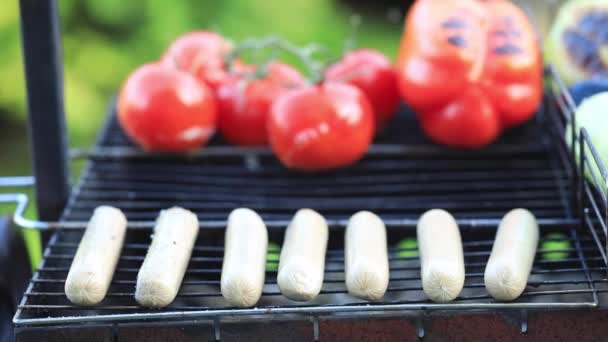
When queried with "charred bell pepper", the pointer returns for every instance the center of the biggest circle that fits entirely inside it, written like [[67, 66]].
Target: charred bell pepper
[[577, 44], [470, 69]]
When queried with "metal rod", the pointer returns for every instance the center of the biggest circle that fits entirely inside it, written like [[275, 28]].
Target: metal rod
[[306, 310], [524, 322], [21, 200], [600, 245], [44, 77], [583, 262], [315, 328], [117, 152], [17, 181], [584, 135], [420, 325]]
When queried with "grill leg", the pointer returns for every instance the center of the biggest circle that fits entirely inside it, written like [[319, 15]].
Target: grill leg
[[524, 322], [420, 327], [217, 330], [44, 75]]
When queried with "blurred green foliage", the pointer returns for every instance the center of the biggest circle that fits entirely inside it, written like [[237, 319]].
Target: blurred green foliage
[[104, 40]]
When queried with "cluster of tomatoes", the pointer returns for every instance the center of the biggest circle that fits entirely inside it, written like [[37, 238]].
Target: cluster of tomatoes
[[177, 103]]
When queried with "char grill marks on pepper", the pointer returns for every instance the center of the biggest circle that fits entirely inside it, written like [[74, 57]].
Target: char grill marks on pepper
[[455, 24], [510, 34], [471, 70], [585, 41]]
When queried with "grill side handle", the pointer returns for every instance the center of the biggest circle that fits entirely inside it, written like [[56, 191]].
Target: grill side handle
[[42, 58]]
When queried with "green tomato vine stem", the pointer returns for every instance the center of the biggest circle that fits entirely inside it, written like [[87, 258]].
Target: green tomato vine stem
[[275, 44]]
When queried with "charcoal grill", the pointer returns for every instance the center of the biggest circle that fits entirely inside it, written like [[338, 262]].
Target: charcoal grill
[[402, 176]]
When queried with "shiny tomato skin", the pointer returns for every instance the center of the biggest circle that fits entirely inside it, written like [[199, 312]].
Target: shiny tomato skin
[[164, 109], [469, 121], [201, 53], [185, 49], [244, 105], [321, 127], [371, 72]]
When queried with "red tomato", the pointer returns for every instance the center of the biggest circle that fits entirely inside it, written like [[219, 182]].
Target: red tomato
[[372, 72], [453, 123], [164, 109], [244, 105], [201, 53], [321, 127]]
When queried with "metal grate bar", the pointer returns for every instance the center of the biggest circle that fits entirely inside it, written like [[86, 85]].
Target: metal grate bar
[[595, 208], [583, 261], [589, 223], [400, 178], [334, 257], [201, 285]]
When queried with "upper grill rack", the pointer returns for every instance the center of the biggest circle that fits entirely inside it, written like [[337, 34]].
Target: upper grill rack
[[470, 187], [531, 167]]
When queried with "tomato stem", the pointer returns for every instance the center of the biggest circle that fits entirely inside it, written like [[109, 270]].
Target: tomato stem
[[305, 54], [351, 40], [314, 68]]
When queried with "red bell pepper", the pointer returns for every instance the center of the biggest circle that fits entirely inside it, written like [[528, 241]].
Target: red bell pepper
[[470, 69]]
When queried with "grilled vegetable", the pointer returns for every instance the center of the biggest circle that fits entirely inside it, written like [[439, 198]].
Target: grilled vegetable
[[164, 109], [163, 269], [244, 104], [201, 54], [302, 260], [512, 256], [366, 256], [441, 255], [244, 264], [371, 72], [578, 42], [321, 127], [470, 69], [95, 261], [591, 114]]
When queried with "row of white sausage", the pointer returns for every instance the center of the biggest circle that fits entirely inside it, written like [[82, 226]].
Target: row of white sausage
[[302, 258]]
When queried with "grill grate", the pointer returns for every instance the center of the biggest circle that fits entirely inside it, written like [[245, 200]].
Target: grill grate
[[569, 282], [399, 179], [470, 185], [396, 185]]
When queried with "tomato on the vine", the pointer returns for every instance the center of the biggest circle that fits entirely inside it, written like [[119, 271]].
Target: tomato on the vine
[[321, 127], [244, 104], [371, 72], [165, 109], [202, 53]]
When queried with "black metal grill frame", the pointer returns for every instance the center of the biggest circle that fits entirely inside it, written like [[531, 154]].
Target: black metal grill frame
[[524, 164], [582, 211]]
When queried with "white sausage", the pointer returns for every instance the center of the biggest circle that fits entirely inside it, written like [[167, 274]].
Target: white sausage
[[441, 256], [244, 266], [302, 260], [366, 256], [512, 255], [95, 261], [163, 269]]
